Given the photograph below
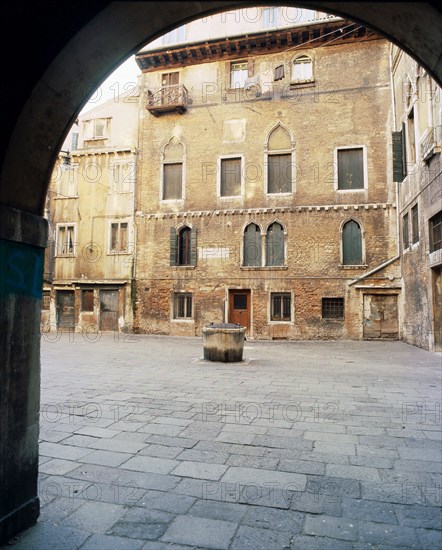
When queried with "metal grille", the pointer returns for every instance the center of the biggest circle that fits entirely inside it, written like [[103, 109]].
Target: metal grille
[[182, 306], [332, 308]]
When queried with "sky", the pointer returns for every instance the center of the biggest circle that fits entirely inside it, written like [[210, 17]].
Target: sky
[[123, 79]]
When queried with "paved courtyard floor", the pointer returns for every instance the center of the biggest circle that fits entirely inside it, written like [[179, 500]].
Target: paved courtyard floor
[[306, 445]]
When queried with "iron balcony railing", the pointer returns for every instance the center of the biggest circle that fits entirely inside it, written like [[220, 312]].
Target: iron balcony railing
[[167, 98]]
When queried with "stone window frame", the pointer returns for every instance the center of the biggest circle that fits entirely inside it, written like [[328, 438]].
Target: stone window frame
[[58, 246], [364, 168], [181, 200], [301, 55], [186, 319], [130, 178], [263, 230], [91, 123], [240, 156], [363, 265], [119, 221], [323, 298], [290, 321], [72, 168], [268, 153]]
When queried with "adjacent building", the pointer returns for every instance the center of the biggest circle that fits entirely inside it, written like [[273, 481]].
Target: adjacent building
[[417, 169], [90, 260], [265, 193]]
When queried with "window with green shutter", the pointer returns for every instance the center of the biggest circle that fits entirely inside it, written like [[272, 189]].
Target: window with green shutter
[[350, 169], [280, 173], [252, 246], [351, 243], [415, 224], [275, 245]]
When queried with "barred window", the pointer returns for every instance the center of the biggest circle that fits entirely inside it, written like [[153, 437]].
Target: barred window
[[332, 308], [281, 306]]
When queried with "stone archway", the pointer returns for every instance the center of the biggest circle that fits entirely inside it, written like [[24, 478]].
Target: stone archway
[[61, 51]]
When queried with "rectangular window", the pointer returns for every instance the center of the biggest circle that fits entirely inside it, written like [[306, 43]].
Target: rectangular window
[[96, 128], [332, 308], [46, 300], [405, 231], [436, 232], [67, 185], [123, 175], [87, 300], [172, 181], [415, 223], [281, 306], [182, 305], [65, 240], [230, 177], [238, 74], [175, 36], [119, 238], [279, 173], [351, 169]]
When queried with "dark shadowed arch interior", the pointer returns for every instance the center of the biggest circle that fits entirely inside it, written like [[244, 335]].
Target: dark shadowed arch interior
[[63, 50]]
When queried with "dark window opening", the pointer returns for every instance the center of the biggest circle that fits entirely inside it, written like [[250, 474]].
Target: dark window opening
[[415, 224], [281, 306], [405, 232], [46, 300], [87, 300], [436, 232], [332, 308], [184, 246], [240, 301], [182, 306]]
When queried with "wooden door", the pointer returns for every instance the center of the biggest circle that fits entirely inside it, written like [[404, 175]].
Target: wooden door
[[108, 309], [437, 307], [65, 309], [380, 316], [239, 307]]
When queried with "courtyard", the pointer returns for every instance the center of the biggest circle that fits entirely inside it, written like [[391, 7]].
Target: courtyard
[[304, 445]]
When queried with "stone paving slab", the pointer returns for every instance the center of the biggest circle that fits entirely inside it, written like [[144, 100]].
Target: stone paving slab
[[337, 446]]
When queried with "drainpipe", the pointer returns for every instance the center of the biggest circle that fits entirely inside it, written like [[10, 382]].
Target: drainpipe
[[378, 268]]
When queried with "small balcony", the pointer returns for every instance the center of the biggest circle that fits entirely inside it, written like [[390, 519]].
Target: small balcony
[[430, 145], [167, 99]]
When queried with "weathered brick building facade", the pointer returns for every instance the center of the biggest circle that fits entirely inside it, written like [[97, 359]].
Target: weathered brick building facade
[[417, 109], [265, 193], [89, 263]]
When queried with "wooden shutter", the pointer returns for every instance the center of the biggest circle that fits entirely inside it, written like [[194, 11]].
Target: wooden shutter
[[275, 245], [352, 244], [250, 67], [350, 169], [252, 245], [228, 69], [173, 246], [279, 173], [398, 160], [172, 181], [193, 247]]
